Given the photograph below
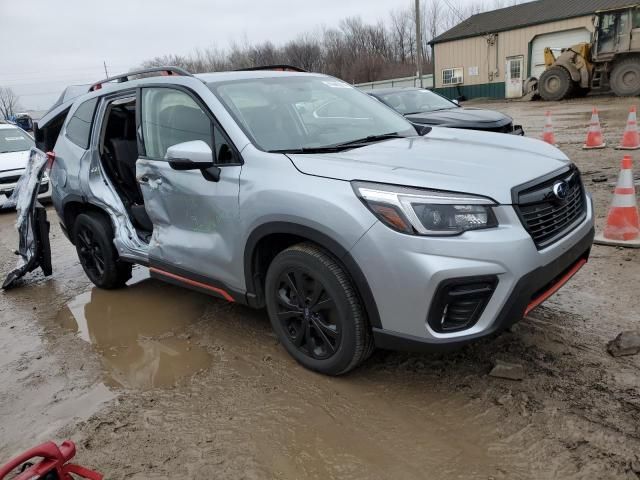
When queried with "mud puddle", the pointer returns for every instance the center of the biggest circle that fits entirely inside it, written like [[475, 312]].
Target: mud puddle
[[140, 331]]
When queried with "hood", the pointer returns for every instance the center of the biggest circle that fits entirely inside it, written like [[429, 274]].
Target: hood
[[462, 118], [13, 160], [481, 163]]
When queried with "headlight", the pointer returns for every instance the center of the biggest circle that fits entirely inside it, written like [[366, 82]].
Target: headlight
[[426, 212]]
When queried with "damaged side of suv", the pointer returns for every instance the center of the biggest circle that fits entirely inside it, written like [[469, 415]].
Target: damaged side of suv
[[352, 230]]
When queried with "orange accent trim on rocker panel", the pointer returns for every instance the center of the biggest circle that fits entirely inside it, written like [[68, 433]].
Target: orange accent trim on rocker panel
[[194, 283]]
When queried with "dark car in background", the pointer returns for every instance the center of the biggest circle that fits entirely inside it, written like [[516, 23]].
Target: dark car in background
[[23, 120], [426, 108]]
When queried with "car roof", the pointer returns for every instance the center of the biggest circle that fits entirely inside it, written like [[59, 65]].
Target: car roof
[[215, 77], [74, 92]]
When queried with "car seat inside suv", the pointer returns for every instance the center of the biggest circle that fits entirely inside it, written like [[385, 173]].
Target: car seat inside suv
[[119, 155]]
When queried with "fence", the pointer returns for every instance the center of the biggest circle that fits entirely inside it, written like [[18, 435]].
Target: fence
[[427, 82]]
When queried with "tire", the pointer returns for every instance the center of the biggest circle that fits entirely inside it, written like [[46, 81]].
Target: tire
[[93, 237], [325, 328], [555, 84], [625, 77]]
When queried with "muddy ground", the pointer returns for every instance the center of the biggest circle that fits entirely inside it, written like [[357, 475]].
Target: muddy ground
[[154, 381]]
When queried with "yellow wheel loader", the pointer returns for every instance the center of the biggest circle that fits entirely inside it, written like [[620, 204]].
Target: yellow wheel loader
[[610, 62]]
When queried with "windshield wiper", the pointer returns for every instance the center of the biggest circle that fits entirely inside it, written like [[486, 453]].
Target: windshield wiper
[[327, 149], [430, 111], [361, 142], [339, 147]]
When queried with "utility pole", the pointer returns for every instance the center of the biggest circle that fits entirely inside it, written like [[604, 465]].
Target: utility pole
[[418, 43], [106, 74]]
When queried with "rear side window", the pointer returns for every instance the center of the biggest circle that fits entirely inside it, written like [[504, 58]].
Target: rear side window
[[79, 126]]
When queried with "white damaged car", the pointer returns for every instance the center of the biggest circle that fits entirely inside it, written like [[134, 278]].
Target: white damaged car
[[15, 145]]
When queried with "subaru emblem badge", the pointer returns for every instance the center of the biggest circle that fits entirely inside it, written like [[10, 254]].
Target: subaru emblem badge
[[561, 190]]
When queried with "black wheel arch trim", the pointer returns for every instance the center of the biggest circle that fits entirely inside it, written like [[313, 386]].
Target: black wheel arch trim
[[255, 295], [77, 199]]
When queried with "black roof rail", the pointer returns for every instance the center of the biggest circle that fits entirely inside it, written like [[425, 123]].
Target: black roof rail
[[279, 68], [124, 77]]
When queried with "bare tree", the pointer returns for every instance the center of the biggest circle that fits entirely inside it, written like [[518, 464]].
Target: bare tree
[[304, 52], [355, 51], [400, 34], [9, 102]]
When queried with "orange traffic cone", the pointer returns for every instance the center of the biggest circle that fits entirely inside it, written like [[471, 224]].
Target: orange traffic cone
[[623, 222], [631, 137], [547, 133], [594, 134]]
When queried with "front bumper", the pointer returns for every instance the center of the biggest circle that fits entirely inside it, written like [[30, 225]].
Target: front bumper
[[6, 189], [405, 283]]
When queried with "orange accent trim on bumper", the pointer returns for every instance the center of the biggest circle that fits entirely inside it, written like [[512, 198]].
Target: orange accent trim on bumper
[[193, 283], [556, 286]]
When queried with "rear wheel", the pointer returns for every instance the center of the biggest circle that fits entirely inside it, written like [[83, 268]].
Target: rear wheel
[[315, 310], [555, 84], [625, 77], [93, 237]]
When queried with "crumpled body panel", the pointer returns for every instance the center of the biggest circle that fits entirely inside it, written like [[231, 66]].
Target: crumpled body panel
[[31, 222]]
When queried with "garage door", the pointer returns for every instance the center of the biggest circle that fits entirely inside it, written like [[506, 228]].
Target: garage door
[[556, 40]]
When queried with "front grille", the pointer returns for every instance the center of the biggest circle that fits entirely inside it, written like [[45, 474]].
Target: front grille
[[508, 128], [42, 189], [459, 303], [546, 217], [9, 179]]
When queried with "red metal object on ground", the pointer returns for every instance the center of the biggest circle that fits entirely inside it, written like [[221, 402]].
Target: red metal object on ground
[[53, 461]]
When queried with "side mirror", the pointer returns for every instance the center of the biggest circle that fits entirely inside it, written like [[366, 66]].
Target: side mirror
[[193, 155], [422, 129], [456, 101]]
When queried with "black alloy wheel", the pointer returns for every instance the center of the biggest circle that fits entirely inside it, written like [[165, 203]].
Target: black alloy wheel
[[93, 237], [89, 251], [308, 314], [316, 311]]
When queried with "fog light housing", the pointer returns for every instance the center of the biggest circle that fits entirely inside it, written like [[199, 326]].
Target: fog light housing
[[459, 303]]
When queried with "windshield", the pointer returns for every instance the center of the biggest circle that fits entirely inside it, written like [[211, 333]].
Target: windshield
[[14, 140], [416, 101], [306, 112]]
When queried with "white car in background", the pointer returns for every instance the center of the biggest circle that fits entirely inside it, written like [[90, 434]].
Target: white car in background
[[15, 145]]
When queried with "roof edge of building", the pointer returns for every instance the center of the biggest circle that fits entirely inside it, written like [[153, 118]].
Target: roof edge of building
[[437, 40]]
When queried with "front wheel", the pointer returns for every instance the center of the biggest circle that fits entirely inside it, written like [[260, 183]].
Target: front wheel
[[315, 310], [555, 84], [93, 237]]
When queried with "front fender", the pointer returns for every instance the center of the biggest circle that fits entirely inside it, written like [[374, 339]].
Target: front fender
[[254, 293]]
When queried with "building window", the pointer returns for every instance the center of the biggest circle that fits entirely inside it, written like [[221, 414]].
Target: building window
[[452, 76], [515, 68]]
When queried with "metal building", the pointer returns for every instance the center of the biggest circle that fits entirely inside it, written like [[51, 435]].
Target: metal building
[[492, 54]]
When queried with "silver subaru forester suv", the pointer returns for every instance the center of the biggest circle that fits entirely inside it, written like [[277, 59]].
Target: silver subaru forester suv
[[296, 192]]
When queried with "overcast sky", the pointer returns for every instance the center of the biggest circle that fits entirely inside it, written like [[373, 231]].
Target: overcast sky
[[49, 44]]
